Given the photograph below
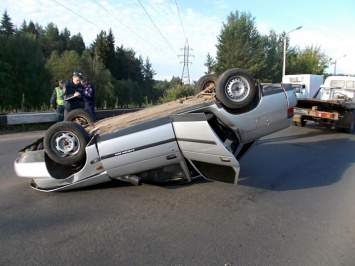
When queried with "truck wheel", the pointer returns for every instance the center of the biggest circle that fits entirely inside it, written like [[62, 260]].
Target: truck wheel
[[235, 88], [301, 124], [206, 82], [65, 142], [79, 116]]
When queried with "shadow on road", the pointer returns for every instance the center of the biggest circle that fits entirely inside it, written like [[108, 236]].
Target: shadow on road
[[298, 161]]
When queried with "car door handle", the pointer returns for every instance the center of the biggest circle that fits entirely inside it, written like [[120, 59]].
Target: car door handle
[[170, 157]]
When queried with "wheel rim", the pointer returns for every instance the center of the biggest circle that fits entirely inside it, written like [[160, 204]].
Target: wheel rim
[[65, 144], [237, 89]]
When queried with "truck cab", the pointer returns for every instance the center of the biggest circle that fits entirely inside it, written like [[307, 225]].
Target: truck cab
[[337, 88]]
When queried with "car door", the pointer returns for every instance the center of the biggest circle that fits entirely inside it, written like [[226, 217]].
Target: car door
[[203, 149]]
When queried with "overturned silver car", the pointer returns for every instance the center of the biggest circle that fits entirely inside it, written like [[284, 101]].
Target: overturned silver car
[[204, 135]]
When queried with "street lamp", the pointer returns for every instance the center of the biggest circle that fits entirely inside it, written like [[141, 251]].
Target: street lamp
[[284, 63], [335, 64]]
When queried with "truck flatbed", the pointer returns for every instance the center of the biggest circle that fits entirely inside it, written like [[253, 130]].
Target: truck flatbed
[[326, 104]]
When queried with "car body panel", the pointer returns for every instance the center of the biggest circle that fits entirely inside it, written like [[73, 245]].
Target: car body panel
[[199, 143], [151, 148]]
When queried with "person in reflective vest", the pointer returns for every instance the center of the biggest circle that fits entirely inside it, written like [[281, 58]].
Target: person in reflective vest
[[57, 101]]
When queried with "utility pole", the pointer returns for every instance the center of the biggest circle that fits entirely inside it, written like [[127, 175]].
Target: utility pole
[[335, 64], [284, 55], [185, 76]]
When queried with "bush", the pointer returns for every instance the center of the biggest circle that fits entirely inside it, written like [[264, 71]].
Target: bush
[[176, 92]]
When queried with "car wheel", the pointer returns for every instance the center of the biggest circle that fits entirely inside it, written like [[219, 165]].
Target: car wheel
[[65, 142], [235, 88], [206, 82], [79, 116]]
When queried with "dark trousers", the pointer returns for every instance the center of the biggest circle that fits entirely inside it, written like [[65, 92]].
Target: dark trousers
[[71, 106], [89, 107], [59, 113]]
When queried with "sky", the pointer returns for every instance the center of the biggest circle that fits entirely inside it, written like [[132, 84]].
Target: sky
[[165, 30]]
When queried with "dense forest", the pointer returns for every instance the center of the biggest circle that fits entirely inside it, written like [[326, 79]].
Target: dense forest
[[33, 58]]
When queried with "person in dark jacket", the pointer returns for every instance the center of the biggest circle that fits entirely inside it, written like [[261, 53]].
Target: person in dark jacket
[[89, 97], [72, 93], [58, 102]]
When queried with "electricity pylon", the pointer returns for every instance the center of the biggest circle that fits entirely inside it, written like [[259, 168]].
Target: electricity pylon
[[185, 76]]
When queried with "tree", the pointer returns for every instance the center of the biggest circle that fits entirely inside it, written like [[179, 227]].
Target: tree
[[76, 43], [30, 28], [210, 64], [27, 80], [274, 58], [101, 77], [148, 79], [99, 47], [110, 58], [240, 45], [71, 62], [57, 67], [5, 77], [56, 41], [310, 60], [64, 36], [7, 28], [148, 71]]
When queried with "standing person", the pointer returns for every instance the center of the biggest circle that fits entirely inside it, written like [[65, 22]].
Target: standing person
[[89, 97], [57, 100], [72, 93]]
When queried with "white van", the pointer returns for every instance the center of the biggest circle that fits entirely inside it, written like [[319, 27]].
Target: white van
[[305, 85]]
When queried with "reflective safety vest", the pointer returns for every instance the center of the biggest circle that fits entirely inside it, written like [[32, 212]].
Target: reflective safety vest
[[59, 92]]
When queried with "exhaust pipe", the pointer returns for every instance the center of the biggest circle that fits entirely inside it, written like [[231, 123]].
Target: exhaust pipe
[[133, 179]]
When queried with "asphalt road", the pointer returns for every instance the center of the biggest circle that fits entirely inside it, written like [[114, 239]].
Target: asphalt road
[[294, 205]]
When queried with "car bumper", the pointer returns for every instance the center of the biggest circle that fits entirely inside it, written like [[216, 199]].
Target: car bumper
[[32, 165]]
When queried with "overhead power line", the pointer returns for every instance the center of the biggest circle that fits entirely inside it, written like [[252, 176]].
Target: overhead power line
[[126, 27], [157, 27], [85, 19], [77, 14], [180, 19]]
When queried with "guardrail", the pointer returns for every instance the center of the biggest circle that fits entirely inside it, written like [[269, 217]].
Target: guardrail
[[47, 117]]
